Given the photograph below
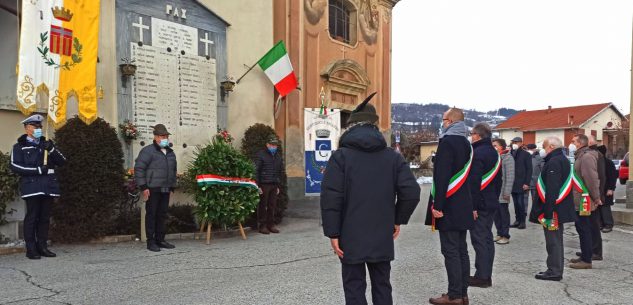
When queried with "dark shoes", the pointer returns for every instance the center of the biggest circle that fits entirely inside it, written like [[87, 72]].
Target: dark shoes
[[164, 244], [152, 246], [36, 252], [606, 229], [272, 229], [521, 226], [515, 225], [33, 254], [446, 300], [546, 276], [264, 230], [43, 250], [481, 283]]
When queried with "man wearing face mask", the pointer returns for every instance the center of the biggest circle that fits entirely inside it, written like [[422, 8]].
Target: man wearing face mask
[[537, 166], [155, 174], [38, 183], [269, 167], [522, 178]]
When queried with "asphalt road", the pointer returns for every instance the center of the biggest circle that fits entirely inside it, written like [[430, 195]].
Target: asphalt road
[[297, 267]]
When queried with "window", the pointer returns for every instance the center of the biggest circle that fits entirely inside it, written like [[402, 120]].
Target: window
[[342, 21]]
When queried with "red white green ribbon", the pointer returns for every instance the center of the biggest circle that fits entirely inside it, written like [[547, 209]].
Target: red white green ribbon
[[573, 181], [490, 175], [207, 180], [455, 183]]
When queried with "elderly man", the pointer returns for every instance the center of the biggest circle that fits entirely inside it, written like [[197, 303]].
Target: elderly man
[[269, 166], [367, 193], [550, 210], [586, 168], [604, 211], [485, 168], [38, 183], [504, 192], [450, 208], [522, 178], [155, 174]]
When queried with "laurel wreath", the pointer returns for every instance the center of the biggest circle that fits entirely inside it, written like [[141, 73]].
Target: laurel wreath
[[75, 57]]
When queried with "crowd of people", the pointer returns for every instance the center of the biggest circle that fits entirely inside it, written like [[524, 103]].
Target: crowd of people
[[475, 177]]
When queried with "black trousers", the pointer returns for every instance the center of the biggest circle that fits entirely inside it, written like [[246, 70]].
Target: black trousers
[[37, 220], [267, 205], [606, 216], [596, 235], [502, 220], [483, 243], [520, 206], [456, 261], [583, 227], [355, 284], [555, 250], [155, 216]]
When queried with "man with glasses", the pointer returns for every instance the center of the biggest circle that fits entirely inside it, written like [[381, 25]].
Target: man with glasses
[[34, 159]]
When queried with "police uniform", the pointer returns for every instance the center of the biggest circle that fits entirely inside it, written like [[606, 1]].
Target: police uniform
[[38, 186]]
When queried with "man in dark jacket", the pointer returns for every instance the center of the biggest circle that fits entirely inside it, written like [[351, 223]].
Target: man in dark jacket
[[483, 189], [269, 167], [450, 208], [155, 174], [38, 183], [537, 166], [550, 212], [367, 192], [611, 175], [522, 178]]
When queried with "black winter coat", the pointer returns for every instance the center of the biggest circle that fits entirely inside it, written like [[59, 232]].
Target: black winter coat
[[268, 167], [522, 170], [27, 161], [366, 190], [554, 173], [484, 160], [154, 169], [612, 178], [452, 154]]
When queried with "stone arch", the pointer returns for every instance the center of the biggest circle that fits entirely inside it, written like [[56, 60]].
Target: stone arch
[[346, 83]]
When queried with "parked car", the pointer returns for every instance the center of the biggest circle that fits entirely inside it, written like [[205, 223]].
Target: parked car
[[624, 169], [617, 164]]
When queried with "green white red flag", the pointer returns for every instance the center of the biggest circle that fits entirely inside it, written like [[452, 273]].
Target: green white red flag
[[277, 66]]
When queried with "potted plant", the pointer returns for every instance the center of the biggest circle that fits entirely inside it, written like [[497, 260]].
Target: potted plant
[[128, 68]]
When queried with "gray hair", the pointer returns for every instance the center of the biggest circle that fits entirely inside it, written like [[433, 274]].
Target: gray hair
[[483, 130], [582, 139], [554, 142]]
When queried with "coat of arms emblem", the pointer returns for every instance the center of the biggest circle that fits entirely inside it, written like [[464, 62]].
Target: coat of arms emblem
[[61, 41]]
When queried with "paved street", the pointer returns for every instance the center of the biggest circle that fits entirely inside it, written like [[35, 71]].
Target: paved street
[[297, 267]]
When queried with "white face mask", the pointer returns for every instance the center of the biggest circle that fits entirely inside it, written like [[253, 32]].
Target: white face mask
[[515, 147], [542, 153]]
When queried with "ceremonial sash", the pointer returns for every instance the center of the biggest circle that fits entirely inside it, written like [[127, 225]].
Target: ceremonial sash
[[207, 180], [572, 181], [489, 176], [455, 183]]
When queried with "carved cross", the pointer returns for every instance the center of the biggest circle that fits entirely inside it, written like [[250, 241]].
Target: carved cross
[[141, 27], [343, 50], [206, 42]]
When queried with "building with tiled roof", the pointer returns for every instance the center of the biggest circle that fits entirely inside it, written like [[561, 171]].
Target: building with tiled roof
[[600, 120]]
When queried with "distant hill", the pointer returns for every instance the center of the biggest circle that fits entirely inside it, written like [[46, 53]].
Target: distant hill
[[414, 117]]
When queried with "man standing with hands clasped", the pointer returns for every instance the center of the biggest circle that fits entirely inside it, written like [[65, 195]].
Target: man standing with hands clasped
[[367, 192], [450, 208], [269, 167], [155, 174]]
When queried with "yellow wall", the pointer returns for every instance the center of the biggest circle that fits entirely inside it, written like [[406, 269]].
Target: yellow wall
[[426, 150], [542, 134], [600, 122]]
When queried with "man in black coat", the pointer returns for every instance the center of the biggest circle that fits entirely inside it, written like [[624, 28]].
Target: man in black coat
[[483, 189], [269, 167], [155, 174], [450, 208], [604, 211], [367, 192], [38, 183], [550, 213], [522, 178]]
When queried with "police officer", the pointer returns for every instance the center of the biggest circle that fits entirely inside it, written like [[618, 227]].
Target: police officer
[[38, 183]]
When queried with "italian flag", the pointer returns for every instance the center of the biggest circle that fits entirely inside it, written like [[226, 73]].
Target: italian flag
[[276, 64]]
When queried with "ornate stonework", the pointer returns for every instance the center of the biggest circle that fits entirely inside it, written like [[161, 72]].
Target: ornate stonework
[[314, 10], [369, 21]]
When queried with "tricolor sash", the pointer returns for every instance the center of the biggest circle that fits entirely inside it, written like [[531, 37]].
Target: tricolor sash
[[573, 181], [455, 183], [205, 181], [490, 175]]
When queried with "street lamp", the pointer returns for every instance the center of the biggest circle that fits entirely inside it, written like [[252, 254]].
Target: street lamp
[[227, 86]]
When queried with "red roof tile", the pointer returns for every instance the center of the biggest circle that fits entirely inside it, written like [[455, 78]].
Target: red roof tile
[[553, 118]]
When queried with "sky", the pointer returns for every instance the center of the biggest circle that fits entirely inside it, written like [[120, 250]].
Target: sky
[[530, 54]]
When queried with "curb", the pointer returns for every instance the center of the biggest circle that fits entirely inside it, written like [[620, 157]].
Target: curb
[[12, 250]]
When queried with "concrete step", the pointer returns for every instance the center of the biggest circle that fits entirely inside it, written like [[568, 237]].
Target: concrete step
[[622, 215]]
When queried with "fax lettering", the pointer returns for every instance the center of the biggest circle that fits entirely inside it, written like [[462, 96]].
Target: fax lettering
[[176, 12]]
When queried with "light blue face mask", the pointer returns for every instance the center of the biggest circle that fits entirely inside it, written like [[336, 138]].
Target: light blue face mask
[[37, 133], [272, 150], [164, 143]]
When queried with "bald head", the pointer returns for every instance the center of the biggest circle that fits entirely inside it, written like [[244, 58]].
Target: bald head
[[592, 140], [454, 114]]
